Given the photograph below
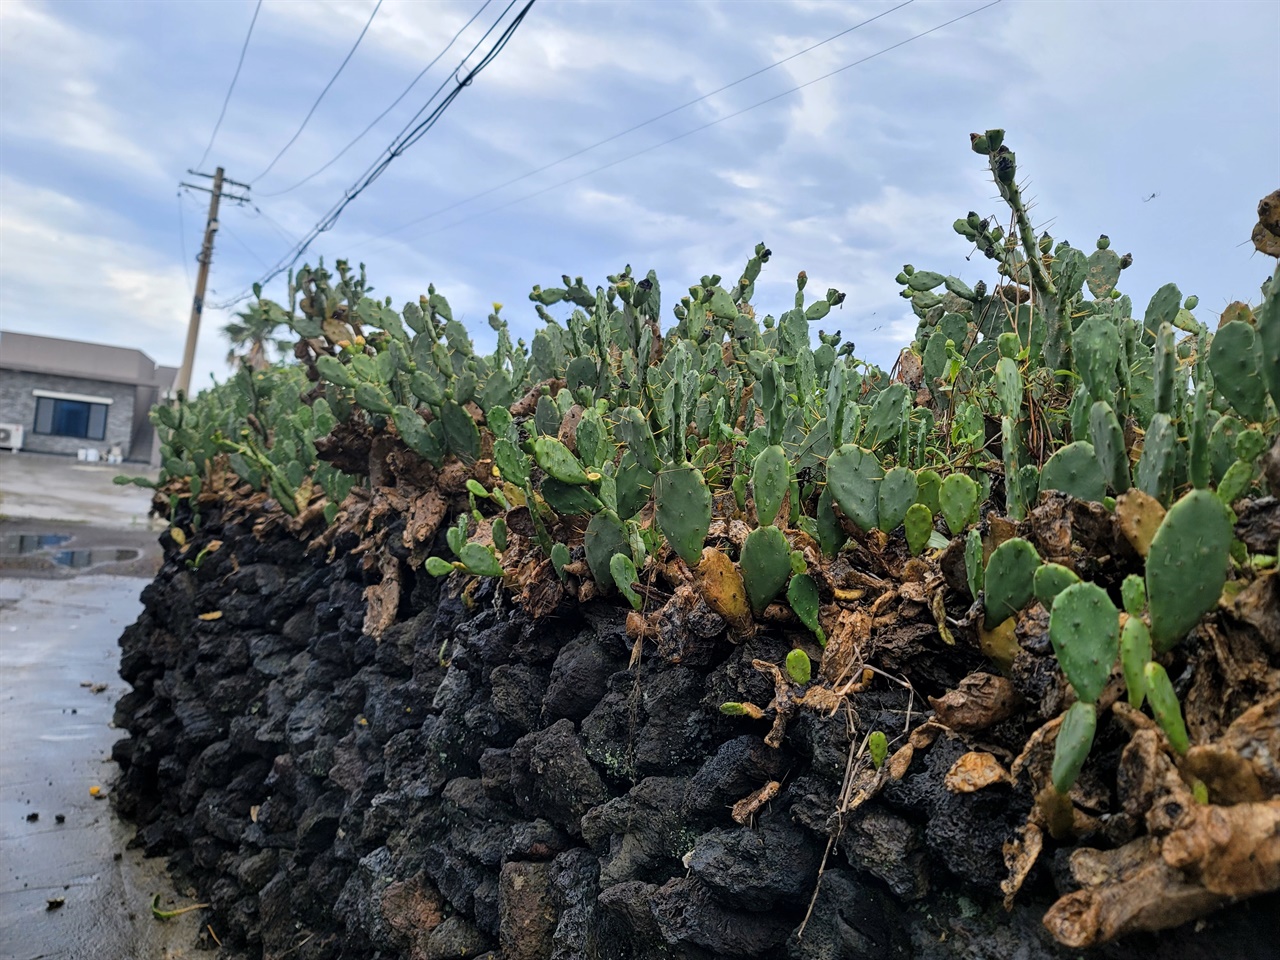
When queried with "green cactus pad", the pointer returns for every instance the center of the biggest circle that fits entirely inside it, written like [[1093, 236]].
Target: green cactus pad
[[634, 486], [1009, 580], [831, 536], [1267, 318], [1075, 739], [1096, 344], [853, 477], [929, 489], [1187, 566], [1135, 654], [460, 432], [1075, 470], [635, 432], [1050, 580], [974, 568], [918, 524], [799, 669], [623, 571], [1236, 482], [683, 510], [802, 597], [1109, 446], [1104, 272], [1159, 460], [479, 559], [1165, 707], [958, 498], [1134, 594], [605, 537], [1084, 627], [558, 462], [1009, 387], [897, 494], [1164, 364], [1233, 358], [766, 565], [567, 499], [770, 477]]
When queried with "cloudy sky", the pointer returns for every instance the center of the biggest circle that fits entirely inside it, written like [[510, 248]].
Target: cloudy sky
[[1154, 122]]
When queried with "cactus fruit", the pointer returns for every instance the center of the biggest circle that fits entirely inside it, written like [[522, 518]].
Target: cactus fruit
[[1075, 470], [802, 596], [766, 565], [1187, 566], [897, 494], [1233, 359], [605, 537], [1050, 580], [1109, 445], [683, 510], [1084, 627], [853, 477], [1165, 708], [974, 565], [918, 525], [958, 498], [770, 476], [1133, 591], [1075, 739], [799, 668], [1135, 654], [1009, 580], [1159, 459]]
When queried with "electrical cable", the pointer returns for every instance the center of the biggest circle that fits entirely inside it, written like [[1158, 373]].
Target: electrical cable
[[227, 99], [332, 80], [407, 138], [642, 124], [376, 120], [698, 129]]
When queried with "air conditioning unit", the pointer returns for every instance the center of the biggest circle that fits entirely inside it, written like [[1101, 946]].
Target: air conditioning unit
[[11, 435]]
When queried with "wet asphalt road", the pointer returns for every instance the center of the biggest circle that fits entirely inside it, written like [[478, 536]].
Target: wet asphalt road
[[75, 552]]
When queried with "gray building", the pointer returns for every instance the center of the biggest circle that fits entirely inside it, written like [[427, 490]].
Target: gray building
[[68, 395]]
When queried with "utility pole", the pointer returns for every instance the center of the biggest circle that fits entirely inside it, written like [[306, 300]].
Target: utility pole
[[204, 258]]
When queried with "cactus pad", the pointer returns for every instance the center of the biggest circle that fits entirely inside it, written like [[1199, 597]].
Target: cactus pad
[[1009, 580], [802, 596], [1187, 566], [1165, 708], [853, 477], [604, 538], [918, 524], [1050, 580], [770, 476], [958, 497], [897, 494], [1084, 627], [1075, 470], [766, 565], [1135, 654], [1075, 739], [683, 510]]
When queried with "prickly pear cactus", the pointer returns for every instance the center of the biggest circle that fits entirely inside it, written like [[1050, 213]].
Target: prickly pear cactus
[[1187, 566], [1084, 627], [897, 494], [1075, 470], [766, 565], [683, 511], [770, 477], [853, 477], [1009, 580], [958, 497], [1075, 739], [1050, 580], [605, 537]]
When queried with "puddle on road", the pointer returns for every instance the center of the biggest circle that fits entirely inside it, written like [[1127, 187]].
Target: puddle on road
[[36, 550]]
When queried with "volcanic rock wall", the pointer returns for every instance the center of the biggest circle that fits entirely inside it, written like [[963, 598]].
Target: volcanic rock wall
[[476, 784]]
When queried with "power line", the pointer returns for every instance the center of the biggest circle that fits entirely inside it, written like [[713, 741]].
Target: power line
[[337, 73], [698, 129], [275, 225], [642, 124], [394, 103], [236, 76], [406, 139]]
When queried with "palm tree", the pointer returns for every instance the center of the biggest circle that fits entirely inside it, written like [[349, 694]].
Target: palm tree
[[251, 335]]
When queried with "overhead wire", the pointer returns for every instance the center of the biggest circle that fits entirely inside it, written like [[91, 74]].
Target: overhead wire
[[337, 73], [406, 139], [698, 129], [376, 120], [644, 123], [234, 77]]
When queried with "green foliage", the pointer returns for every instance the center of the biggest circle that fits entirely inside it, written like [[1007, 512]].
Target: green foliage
[[1084, 627], [1075, 739], [1009, 580], [1135, 654], [1050, 580], [853, 477], [958, 497], [766, 565], [799, 669], [1165, 707], [1187, 566], [878, 747], [683, 510]]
